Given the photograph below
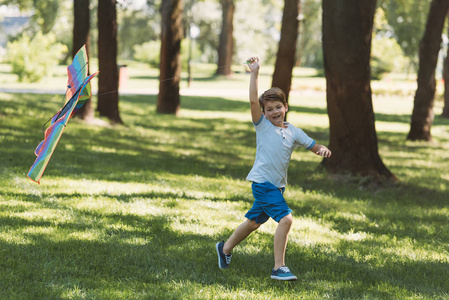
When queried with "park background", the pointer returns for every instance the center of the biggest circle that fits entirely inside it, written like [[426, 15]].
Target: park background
[[134, 210]]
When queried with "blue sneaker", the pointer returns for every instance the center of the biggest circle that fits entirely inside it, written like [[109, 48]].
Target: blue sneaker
[[223, 259], [283, 273]]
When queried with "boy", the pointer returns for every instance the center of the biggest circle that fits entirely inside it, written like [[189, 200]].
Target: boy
[[276, 141]]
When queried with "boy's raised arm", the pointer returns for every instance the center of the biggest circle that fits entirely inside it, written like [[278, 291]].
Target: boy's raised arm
[[253, 65]]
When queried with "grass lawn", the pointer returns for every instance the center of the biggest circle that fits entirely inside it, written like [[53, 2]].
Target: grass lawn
[[134, 212]]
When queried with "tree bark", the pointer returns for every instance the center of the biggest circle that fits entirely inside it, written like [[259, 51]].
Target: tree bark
[[423, 115], [445, 113], [285, 58], [168, 100], [81, 29], [347, 31], [108, 97], [226, 47]]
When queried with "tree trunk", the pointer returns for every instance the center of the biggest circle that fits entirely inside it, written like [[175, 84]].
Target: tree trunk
[[285, 59], [226, 47], [168, 100], [445, 113], [81, 28], [108, 96], [347, 31], [422, 116]]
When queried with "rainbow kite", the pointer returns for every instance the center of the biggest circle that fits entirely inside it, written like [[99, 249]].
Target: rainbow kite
[[78, 92]]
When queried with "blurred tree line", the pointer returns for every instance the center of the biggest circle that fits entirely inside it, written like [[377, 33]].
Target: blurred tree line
[[352, 42], [399, 25]]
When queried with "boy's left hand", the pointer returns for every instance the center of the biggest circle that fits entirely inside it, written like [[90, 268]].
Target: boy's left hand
[[324, 152]]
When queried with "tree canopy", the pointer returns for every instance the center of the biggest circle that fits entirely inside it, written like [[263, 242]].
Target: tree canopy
[[256, 31]]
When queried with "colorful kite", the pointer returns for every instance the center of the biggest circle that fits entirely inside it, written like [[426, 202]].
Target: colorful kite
[[78, 92]]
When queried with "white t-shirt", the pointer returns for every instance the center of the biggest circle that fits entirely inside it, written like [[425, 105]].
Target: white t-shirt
[[274, 149]]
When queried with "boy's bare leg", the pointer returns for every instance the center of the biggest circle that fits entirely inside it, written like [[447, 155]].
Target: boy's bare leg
[[280, 240], [239, 235]]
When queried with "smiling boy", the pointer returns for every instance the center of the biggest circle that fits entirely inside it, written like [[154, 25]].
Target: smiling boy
[[276, 141]]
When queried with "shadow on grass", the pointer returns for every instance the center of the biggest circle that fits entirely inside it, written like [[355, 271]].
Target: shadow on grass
[[95, 249], [103, 265], [196, 77], [199, 103], [128, 254], [168, 145], [389, 118], [214, 104], [102, 254], [376, 272]]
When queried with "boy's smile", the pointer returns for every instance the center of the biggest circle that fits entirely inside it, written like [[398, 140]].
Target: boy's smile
[[275, 111]]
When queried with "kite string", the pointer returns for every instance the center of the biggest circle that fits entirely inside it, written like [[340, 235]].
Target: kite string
[[105, 93], [65, 94], [116, 91], [69, 86]]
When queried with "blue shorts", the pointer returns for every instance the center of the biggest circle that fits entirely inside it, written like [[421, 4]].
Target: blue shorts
[[268, 202]]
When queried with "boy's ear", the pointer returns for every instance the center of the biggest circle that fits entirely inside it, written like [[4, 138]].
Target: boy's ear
[[286, 107]]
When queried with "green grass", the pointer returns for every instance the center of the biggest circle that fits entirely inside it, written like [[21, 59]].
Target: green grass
[[134, 212]]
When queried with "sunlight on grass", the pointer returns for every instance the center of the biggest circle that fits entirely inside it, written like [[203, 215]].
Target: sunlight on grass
[[135, 211], [392, 127], [310, 232], [83, 236], [185, 113], [14, 237]]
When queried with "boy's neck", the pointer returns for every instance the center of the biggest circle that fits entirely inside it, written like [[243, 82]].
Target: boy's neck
[[284, 125]]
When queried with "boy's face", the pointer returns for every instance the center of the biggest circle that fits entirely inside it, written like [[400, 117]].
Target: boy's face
[[275, 111]]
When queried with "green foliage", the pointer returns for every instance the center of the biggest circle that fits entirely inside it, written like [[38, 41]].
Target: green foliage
[[407, 19], [22, 4], [186, 47], [256, 26], [386, 56], [378, 68], [32, 59], [136, 27], [46, 13], [207, 16], [255, 33], [149, 53], [257, 30], [310, 50]]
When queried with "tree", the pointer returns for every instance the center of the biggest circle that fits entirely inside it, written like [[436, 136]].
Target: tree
[[108, 96], [285, 59], [347, 32], [422, 116], [226, 46], [81, 29], [445, 113], [168, 100]]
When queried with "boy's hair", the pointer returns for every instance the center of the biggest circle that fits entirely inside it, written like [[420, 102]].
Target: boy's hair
[[273, 94]]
